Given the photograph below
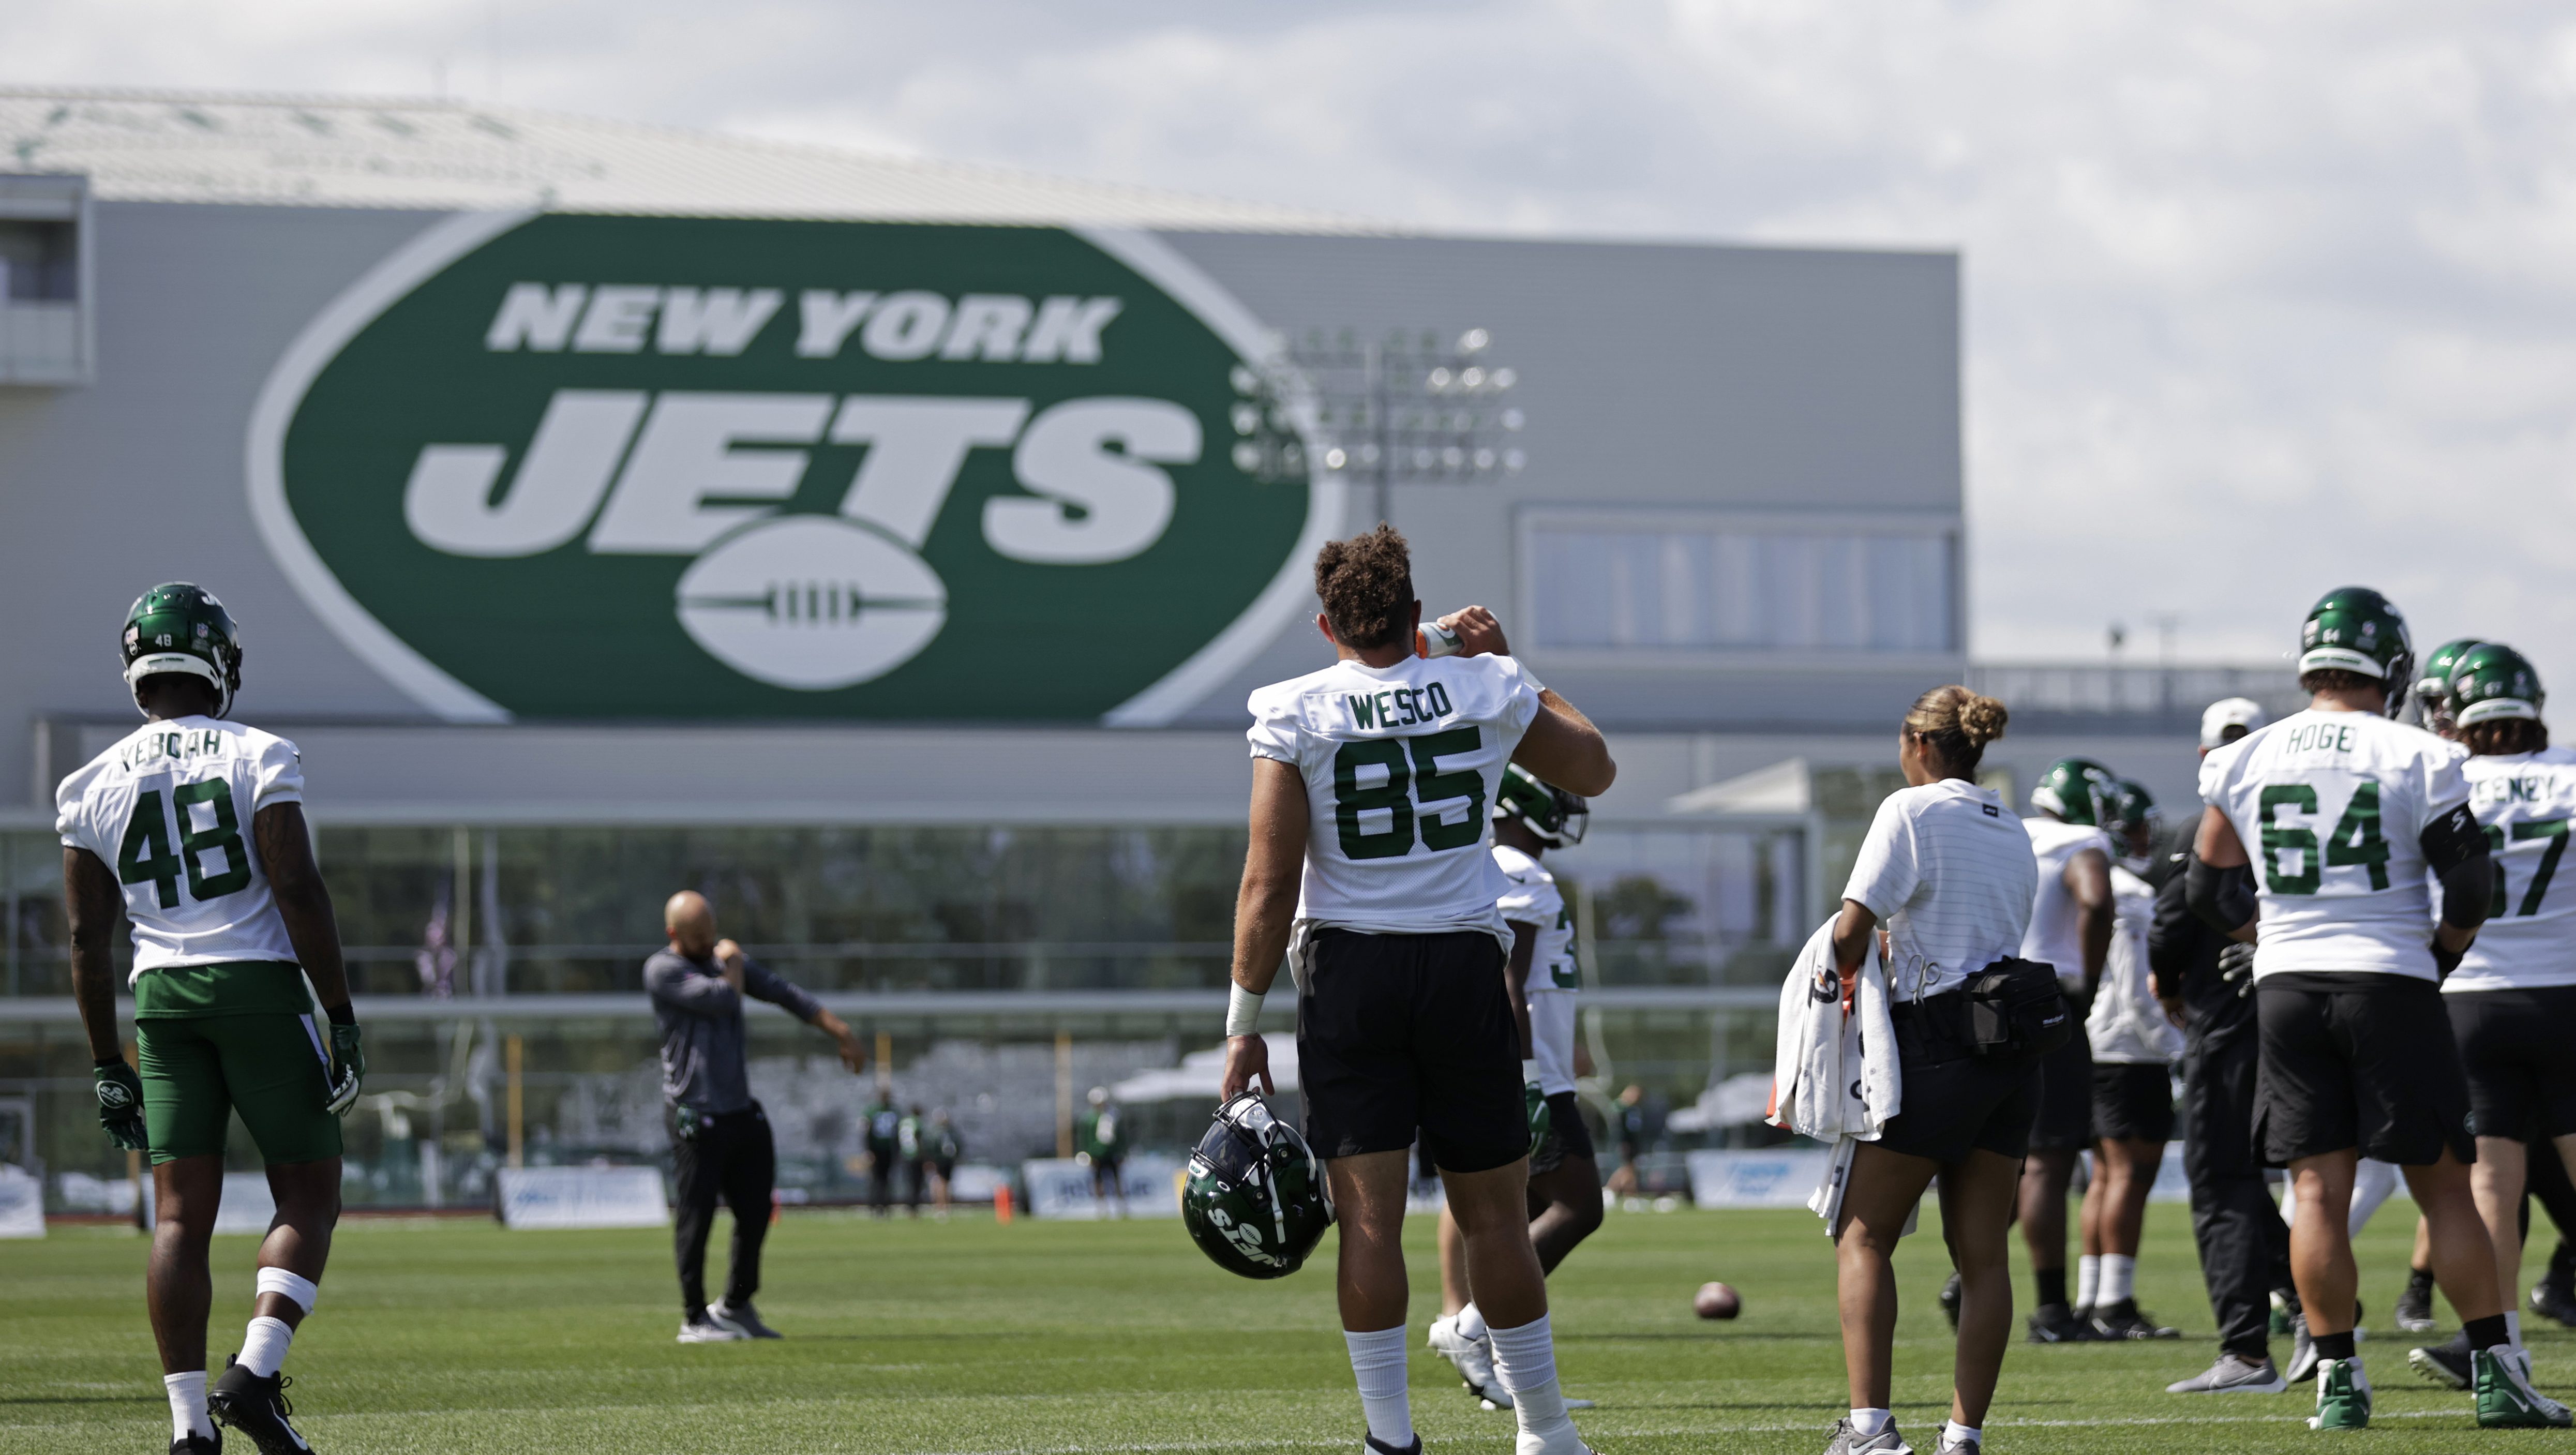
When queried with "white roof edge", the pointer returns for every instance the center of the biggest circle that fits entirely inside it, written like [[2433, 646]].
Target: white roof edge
[[191, 170]]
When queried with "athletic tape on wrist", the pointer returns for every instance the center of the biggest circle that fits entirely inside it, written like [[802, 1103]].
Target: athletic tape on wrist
[[299, 1289], [1242, 1012]]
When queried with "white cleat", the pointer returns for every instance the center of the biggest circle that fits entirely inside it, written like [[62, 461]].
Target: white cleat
[[1560, 1441], [1474, 1361]]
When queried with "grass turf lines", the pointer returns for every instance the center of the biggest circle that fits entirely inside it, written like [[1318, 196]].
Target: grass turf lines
[[969, 1337]]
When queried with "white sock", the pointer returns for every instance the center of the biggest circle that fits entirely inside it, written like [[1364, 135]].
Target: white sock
[[1525, 1361], [1471, 1323], [264, 1345], [188, 1405], [1868, 1423], [2119, 1277], [1378, 1360], [2513, 1326], [1952, 1433], [2088, 1279]]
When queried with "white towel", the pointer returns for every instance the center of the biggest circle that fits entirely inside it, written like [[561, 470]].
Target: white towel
[[1834, 1075]]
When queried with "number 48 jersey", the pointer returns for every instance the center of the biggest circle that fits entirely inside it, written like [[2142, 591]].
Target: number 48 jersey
[[168, 810], [2524, 800], [1401, 765], [2330, 806]]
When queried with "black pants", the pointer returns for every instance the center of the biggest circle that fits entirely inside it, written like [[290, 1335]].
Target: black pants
[[731, 1158], [881, 1169], [2244, 1245]]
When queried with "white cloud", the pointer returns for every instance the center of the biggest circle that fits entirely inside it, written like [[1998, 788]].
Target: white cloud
[[2260, 299]]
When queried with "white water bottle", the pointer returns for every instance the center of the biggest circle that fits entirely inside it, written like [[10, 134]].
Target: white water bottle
[[1435, 640]]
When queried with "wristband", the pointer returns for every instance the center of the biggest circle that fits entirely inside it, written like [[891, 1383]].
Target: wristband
[[1529, 1071], [1242, 1011]]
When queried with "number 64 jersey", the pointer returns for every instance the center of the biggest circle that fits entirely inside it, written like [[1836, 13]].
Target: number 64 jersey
[[2331, 807], [168, 810], [1401, 765]]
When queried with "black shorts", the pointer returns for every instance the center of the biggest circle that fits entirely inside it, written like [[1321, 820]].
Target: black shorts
[[2357, 1059], [1567, 1135], [1953, 1102], [2518, 1048], [2065, 1118], [1406, 1035], [2132, 1101]]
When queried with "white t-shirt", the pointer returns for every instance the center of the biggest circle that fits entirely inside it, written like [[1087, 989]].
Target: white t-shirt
[[1401, 765], [2330, 806], [2529, 940], [1532, 898], [168, 811], [1949, 871], [2127, 1025], [2056, 934]]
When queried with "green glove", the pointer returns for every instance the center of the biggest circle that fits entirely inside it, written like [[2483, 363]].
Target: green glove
[[120, 1104], [1542, 1126], [348, 1069]]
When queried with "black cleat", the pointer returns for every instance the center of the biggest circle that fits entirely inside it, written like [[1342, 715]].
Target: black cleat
[[743, 1319], [2552, 1299], [2446, 1364], [1950, 1302], [2123, 1321], [2055, 1323], [193, 1443], [2415, 1305], [257, 1407]]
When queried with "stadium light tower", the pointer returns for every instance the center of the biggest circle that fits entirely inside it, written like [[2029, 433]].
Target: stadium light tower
[[1412, 408]]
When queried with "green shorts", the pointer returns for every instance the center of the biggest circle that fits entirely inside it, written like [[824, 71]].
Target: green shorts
[[236, 1037]]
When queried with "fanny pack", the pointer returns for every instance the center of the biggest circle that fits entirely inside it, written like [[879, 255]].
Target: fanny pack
[[2016, 1012]]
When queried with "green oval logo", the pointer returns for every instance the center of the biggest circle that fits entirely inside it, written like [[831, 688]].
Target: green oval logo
[[552, 466]]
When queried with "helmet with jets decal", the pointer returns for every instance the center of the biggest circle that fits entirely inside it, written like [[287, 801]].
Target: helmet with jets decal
[[2074, 789], [1253, 1198], [2492, 681], [181, 628], [2354, 629], [2433, 682], [2127, 806], [1558, 818]]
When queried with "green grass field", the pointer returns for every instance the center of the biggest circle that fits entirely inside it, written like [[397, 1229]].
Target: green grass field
[[969, 1337]]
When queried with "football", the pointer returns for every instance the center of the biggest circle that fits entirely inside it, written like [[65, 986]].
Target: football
[[1716, 1301]]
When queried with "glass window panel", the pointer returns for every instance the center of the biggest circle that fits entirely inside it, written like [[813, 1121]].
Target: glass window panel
[[1714, 589]]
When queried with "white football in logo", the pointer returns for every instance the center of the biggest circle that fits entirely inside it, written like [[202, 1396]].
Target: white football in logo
[[811, 602]]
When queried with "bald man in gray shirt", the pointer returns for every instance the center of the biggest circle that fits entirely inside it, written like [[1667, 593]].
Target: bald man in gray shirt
[[720, 1143]]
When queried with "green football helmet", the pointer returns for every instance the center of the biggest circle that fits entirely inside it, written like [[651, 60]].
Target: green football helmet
[[2491, 682], [1254, 1198], [2354, 629], [2433, 683], [2128, 806], [178, 627], [2075, 789], [1558, 818]]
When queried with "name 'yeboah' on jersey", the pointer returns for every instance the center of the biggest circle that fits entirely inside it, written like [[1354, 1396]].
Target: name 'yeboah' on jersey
[[169, 810], [1401, 766], [2524, 802], [2331, 807]]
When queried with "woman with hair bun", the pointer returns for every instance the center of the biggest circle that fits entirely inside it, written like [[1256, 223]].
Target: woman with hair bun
[[1948, 871]]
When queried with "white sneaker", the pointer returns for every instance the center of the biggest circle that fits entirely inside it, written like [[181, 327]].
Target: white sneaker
[[708, 1331], [1473, 1359]]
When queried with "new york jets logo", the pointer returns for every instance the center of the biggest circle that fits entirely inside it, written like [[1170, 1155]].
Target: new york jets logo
[[113, 1096], [593, 467]]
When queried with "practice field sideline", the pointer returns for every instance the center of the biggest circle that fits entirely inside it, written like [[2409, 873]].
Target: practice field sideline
[[969, 1337]]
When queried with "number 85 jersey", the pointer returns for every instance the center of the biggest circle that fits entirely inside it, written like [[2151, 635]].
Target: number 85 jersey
[[168, 811], [1401, 766], [2331, 807]]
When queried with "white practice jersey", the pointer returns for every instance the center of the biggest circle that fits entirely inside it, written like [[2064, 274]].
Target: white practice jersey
[[168, 811], [2127, 1024], [2524, 800], [1949, 872], [2056, 935], [2330, 806], [1401, 766], [1530, 897]]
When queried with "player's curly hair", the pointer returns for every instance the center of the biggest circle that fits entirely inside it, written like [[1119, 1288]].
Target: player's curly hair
[[1958, 723], [2506, 735], [1366, 583]]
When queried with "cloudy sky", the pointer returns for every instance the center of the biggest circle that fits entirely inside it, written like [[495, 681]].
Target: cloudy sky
[[2260, 299]]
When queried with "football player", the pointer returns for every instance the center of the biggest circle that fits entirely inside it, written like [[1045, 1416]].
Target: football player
[[1531, 818], [1368, 871], [2134, 1042], [2347, 813], [193, 826], [2070, 927], [2512, 999], [2432, 693]]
